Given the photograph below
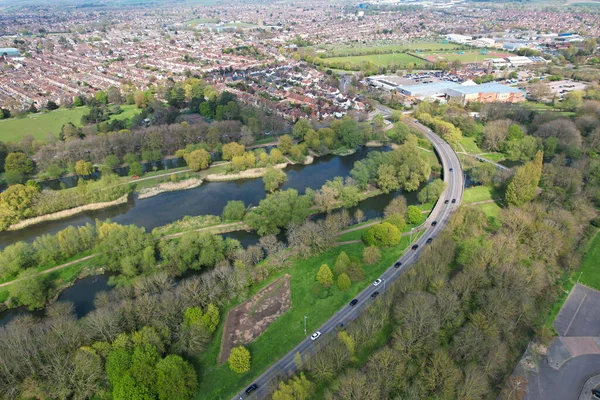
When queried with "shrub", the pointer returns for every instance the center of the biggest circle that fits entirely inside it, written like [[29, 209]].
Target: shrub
[[325, 276], [371, 255], [234, 210], [343, 282], [239, 360], [382, 235], [414, 215]]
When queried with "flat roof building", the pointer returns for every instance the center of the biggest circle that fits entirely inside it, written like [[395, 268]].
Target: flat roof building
[[9, 52], [491, 92]]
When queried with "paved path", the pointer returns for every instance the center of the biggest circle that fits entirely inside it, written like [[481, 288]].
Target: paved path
[[441, 213]]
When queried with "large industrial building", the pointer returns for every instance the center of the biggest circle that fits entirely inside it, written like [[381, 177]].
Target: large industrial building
[[463, 93]]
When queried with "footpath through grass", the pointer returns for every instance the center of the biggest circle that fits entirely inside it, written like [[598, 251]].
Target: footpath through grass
[[219, 382]]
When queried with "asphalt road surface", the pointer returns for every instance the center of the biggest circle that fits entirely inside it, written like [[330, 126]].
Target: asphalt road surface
[[440, 213]]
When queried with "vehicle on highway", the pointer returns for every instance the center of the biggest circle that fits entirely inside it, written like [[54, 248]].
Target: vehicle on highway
[[315, 335], [434, 223], [251, 388], [353, 302], [377, 282], [451, 169], [374, 294], [453, 201], [398, 264], [429, 240], [446, 201], [416, 246]]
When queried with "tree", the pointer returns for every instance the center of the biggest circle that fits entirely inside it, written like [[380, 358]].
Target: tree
[[175, 378], [343, 281], [197, 159], [539, 91], [431, 192], [273, 179], [386, 178], [275, 156], [112, 161], [278, 210], [414, 216], [234, 210], [325, 276], [382, 235], [396, 206], [371, 255], [301, 128], [285, 144], [29, 289], [233, 149], [84, 168], [18, 162], [135, 169], [297, 388], [523, 187], [397, 220], [239, 360]]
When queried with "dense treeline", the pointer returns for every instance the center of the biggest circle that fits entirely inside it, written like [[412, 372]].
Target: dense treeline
[[132, 344], [463, 314]]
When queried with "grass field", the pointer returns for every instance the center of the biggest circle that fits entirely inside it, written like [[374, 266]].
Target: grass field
[[468, 143], [497, 157], [479, 193], [359, 49], [490, 209], [467, 56], [219, 382], [381, 60], [590, 267], [39, 125]]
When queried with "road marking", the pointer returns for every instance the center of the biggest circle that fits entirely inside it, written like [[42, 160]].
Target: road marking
[[574, 315]]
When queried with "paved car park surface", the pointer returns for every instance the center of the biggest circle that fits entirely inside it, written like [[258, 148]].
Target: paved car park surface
[[580, 315]]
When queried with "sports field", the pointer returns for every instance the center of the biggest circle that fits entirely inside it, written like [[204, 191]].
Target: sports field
[[463, 56], [359, 48], [380, 60], [39, 125]]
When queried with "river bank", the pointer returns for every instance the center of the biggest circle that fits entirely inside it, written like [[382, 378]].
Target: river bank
[[66, 213], [169, 187]]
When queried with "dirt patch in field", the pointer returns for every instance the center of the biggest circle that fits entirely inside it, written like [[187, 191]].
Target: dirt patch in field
[[249, 320]]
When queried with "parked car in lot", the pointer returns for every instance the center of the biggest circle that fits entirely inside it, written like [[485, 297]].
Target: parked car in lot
[[377, 282], [315, 335], [353, 302]]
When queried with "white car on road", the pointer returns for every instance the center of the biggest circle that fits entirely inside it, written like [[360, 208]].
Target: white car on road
[[377, 282], [315, 335]]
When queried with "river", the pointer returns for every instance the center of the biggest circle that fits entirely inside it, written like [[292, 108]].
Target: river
[[209, 198]]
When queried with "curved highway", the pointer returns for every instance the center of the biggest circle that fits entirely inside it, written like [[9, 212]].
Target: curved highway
[[440, 213]]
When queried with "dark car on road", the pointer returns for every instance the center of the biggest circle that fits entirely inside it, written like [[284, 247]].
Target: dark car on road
[[353, 302], [429, 240], [398, 264], [446, 201], [375, 294], [416, 246], [451, 169], [251, 388], [453, 201], [434, 223]]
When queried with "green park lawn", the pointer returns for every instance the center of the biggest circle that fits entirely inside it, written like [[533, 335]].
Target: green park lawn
[[381, 60], [218, 381], [496, 157], [40, 124], [361, 49], [590, 267], [468, 143], [479, 193], [467, 56], [490, 209]]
